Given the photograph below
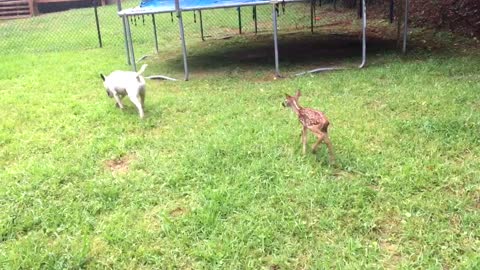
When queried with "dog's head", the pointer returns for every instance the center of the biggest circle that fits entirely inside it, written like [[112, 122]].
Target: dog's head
[[289, 100], [109, 93]]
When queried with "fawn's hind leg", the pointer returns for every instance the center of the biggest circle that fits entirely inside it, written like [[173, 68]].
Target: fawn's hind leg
[[304, 139], [320, 138], [330, 148], [323, 136]]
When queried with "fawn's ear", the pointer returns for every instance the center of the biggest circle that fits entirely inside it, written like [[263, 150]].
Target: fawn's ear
[[103, 77], [298, 93], [287, 95]]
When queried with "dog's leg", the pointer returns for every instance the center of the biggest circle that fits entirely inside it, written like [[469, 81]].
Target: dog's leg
[[119, 101], [135, 100], [142, 98]]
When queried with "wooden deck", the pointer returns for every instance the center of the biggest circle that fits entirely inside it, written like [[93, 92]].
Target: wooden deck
[[15, 9], [11, 9]]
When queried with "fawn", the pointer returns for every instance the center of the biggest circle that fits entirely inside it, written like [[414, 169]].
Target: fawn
[[313, 120]]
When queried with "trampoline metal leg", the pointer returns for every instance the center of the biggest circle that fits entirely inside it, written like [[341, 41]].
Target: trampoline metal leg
[[312, 4], [127, 50], [275, 41], [130, 45], [255, 18], [364, 35], [182, 37], [239, 20], [97, 23], [405, 29], [364, 47], [155, 32], [119, 8], [391, 14], [201, 24]]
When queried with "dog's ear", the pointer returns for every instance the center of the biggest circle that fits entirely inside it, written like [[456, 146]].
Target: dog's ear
[[101, 76], [287, 95]]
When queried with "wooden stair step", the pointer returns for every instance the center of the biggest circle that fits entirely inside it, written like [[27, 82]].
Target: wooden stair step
[[14, 8], [17, 5], [14, 12], [56, 1], [14, 17], [13, 3]]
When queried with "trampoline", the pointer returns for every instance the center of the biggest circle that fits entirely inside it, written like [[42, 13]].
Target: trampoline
[[151, 7]]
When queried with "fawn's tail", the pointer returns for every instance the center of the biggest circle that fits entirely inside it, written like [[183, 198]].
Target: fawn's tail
[[325, 127]]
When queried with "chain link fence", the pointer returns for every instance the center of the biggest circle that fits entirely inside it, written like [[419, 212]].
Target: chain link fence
[[89, 27]]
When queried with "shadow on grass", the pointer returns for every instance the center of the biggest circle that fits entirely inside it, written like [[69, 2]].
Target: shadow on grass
[[298, 51]]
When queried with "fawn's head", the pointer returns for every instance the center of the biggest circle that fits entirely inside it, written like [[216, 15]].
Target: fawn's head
[[291, 101]]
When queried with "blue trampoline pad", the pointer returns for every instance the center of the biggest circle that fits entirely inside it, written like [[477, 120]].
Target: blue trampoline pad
[[162, 6], [194, 4]]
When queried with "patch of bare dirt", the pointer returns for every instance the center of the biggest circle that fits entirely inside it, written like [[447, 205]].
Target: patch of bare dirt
[[119, 165], [275, 267], [394, 256], [387, 229], [179, 211], [476, 198]]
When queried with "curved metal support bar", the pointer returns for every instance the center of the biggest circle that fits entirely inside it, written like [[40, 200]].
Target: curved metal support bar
[[143, 58], [364, 35], [160, 77], [319, 70], [182, 37]]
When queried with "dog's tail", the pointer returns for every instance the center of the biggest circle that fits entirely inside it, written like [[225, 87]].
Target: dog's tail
[[142, 69]]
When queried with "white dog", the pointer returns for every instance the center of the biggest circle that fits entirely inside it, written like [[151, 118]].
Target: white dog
[[120, 83]]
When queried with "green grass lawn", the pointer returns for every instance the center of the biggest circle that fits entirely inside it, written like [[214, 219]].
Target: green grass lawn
[[213, 177]]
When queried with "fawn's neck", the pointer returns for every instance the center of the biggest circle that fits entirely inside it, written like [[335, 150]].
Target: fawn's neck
[[296, 108]]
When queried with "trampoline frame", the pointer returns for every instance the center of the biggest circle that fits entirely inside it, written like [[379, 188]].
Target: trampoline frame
[[125, 14]]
